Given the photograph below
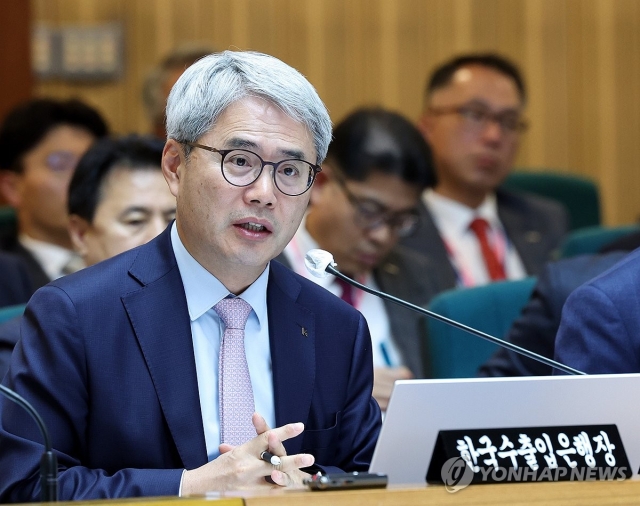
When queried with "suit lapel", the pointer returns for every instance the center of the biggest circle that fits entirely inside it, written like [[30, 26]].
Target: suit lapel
[[292, 338], [160, 320], [428, 242], [526, 239]]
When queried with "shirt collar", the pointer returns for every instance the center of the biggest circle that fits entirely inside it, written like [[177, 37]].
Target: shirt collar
[[203, 290], [450, 214], [51, 257]]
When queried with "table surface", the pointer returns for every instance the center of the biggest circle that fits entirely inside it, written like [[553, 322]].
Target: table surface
[[596, 493]]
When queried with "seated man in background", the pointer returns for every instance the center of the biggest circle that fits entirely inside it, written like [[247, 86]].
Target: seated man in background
[[362, 202], [40, 145], [170, 368], [118, 199], [473, 231]]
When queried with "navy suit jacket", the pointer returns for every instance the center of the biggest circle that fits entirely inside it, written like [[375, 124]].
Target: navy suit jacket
[[106, 357], [600, 327]]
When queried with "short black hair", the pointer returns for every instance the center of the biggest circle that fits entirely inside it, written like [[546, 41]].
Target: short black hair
[[133, 152], [443, 74], [374, 139], [27, 125]]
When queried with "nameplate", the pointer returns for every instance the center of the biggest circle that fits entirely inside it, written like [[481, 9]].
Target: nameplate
[[528, 454]]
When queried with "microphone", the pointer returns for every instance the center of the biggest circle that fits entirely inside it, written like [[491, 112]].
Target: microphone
[[49, 461], [320, 263]]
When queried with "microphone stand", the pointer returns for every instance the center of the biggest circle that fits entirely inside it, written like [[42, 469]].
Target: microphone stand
[[500, 342], [49, 461]]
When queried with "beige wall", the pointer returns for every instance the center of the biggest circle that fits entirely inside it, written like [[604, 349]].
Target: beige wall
[[581, 59]]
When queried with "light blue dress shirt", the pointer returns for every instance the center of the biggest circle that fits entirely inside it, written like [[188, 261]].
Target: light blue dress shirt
[[203, 291]]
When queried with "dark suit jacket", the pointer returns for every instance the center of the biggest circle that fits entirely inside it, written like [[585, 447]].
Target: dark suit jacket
[[10, 244], [15, 283], [535, 226], [106, 357], [9, 335], [600, 327], [401, 274], [538, 324], [625, 243]]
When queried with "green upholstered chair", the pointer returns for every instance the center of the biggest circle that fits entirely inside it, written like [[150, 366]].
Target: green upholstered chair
[[9, 312], [453, 353], [592, 239], [578, 194]]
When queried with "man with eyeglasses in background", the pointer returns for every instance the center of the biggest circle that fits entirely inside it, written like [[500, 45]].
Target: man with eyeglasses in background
[[473, 231], [41, 142], [172, 368], [364, 200]]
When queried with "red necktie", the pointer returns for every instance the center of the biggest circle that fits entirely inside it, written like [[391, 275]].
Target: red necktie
[[494, 267], [347, 291]]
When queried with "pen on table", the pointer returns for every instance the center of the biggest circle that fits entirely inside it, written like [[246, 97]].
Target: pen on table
[[274, 460], [385, 355]]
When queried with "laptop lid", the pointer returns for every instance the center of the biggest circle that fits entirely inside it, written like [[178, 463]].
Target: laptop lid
[[418, 409]]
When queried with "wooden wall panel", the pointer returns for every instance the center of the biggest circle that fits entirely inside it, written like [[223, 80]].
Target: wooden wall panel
[[580, 58], [16, 80]]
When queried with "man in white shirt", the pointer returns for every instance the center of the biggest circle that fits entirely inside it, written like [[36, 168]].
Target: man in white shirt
[[40, 144], [474, 231], [364, 200]]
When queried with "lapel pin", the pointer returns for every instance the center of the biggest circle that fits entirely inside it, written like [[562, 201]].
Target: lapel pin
[[304, 332]]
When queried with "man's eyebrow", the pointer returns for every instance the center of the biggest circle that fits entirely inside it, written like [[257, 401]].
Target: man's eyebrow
[[134, 209], [237, 142], [481, 103], [240, 143]]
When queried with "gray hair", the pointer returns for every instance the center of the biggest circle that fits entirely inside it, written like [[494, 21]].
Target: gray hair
[[213, 83]]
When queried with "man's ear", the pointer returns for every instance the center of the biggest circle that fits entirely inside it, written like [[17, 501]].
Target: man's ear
[[78, 228], [172, 161], [322, 178], [11, 187], [425, 125]]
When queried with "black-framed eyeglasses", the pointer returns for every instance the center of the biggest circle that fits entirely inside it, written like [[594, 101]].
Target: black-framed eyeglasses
[[241, 167], [476, 118], [371, 214]]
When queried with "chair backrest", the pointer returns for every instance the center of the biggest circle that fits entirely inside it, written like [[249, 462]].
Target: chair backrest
[[492, 309], [592, 239], [578, 194], [9, 312]]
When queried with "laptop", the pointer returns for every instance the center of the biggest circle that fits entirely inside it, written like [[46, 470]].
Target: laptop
[[418, 409]]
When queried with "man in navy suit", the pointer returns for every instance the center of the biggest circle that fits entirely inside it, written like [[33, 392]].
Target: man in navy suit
[[600, 328], [122, 358]]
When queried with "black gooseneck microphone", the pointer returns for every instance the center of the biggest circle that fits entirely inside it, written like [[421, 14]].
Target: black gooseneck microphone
[[320, 263], [49, 461]]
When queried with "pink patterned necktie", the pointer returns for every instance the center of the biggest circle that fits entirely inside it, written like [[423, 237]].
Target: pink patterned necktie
[[236, 395]]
